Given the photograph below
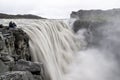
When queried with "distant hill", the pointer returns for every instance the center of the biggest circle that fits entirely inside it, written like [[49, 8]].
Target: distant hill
[[97, 15], [19, 16]]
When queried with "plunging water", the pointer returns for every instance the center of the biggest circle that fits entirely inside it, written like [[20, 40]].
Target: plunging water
[[53, 43]]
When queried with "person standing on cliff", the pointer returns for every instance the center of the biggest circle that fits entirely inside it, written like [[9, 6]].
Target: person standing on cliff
[[12, 25]]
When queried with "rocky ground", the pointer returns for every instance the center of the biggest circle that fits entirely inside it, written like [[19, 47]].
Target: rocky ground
[[15, 58]]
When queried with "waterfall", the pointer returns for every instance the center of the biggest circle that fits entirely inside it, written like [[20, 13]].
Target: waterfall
[[53, 43], [87, 55]]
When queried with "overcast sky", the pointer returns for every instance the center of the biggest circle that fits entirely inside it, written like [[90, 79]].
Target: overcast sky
[[54, 8]]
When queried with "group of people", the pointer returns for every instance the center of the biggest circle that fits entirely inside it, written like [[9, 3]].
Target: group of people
[[12, 25]]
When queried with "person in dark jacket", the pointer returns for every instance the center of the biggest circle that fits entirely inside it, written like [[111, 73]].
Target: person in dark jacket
[[12, 25]]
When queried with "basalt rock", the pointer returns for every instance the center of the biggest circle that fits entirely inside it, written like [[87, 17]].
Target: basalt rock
[[14, 42], [33, 67], [3, 67], [15, 58], [78, 24], [17, 75], [21, 44]]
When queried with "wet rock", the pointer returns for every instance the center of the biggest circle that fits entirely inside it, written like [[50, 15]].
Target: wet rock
[[14, 42], [33, 67], [17, 75], [78, 24], [3, 49], [10, 65], [3, 67], [15, 58], [6, 57], [38, 77], [21, 44]]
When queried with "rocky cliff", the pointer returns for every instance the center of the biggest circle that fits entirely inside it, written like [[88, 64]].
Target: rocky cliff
[[15, 58], [88, 18]]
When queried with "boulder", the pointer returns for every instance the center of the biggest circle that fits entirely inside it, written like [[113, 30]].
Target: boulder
[[6, 58], [3, 67], [17, 75], [38, 77], [33, 67]]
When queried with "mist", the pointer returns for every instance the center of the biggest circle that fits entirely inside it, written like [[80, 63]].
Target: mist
[[101, 57]]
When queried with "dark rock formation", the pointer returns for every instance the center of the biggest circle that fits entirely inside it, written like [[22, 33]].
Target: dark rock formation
[[14, 42], [17, 75], [35, 68], [15, 58], [32, 67], [21, 44], [25, 16], [3, 67], [78, 24]]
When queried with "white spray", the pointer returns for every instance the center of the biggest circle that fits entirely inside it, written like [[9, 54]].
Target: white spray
[[99, 61]]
